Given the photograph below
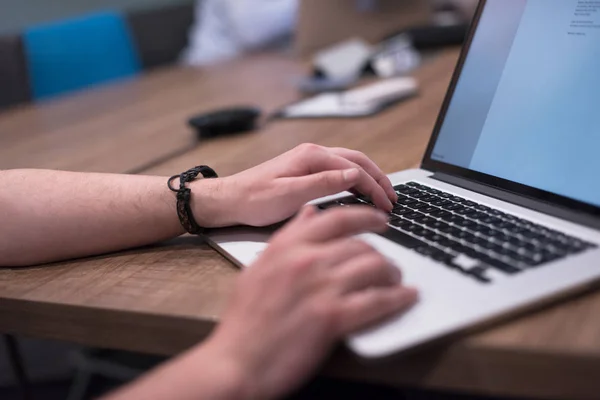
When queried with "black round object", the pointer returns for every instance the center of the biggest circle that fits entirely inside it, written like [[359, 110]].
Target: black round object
[[225, 122]]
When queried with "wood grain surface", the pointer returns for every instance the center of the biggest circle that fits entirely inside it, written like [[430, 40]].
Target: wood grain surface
[[165, 298]]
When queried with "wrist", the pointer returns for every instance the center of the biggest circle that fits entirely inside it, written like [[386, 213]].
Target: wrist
[[228, 376], [210, 203]]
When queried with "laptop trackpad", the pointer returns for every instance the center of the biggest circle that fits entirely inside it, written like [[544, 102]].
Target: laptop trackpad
[[242, 246]]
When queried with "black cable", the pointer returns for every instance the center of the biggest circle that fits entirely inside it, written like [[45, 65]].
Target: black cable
[[163, 159]]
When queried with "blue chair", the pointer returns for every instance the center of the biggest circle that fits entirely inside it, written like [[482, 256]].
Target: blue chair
[[69, 55]]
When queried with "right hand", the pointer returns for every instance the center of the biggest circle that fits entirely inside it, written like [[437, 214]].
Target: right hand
[[314, 285], [277, 189]]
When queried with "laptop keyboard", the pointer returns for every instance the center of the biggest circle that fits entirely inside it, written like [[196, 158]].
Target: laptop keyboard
[[469, 237]]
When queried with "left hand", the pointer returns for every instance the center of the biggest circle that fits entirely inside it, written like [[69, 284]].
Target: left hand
[[315, 284], [277, 189]]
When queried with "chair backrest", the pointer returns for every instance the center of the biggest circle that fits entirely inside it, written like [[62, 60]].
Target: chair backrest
[[14, 80], [72, 54], [161, 34]]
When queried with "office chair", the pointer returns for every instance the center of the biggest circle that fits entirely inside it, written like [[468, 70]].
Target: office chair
[[72, 54]]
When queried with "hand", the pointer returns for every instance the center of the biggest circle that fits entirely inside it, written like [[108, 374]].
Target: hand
[[277, 189], [313, 285]]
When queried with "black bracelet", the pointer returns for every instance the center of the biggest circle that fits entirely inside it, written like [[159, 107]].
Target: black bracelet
[[184, 194]]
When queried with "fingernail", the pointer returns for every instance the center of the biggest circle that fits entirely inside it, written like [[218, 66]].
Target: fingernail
[[397, 275], [391, 206], [383, 217], [350, 174], [411, 292]]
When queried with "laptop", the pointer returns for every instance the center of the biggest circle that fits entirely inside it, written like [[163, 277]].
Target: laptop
[[504, 213]]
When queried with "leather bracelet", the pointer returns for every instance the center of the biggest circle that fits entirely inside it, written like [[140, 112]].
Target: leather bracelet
[[184, 195]]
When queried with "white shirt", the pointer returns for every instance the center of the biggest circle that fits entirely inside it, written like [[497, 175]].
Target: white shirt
[[226, 28]]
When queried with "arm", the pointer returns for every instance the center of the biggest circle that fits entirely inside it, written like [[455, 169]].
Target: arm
[[322, 285], [53, 215], [201, 373]]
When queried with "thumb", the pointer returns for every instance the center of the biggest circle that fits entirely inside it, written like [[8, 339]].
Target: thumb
[[314, 186]]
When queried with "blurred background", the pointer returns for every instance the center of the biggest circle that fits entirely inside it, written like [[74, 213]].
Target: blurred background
[[18, 15], [52, 49], [123, 38]]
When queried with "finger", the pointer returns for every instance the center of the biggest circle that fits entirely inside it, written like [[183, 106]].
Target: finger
[[305, 214], [370, 306], [370, 167], [365, 271], [341, 222], [366, 184], [343, 250]]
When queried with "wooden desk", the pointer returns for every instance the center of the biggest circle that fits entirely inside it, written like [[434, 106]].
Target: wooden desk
[[165, 298]]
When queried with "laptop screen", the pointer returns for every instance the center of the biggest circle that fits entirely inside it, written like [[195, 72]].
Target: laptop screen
[[526, 107]]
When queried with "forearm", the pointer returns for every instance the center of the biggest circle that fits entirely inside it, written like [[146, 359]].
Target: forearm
[[202, 373], [53, 215]]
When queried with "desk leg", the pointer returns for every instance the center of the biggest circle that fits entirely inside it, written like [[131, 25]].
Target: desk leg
[[18, 366]]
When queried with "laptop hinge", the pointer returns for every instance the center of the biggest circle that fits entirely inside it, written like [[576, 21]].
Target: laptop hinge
[[520, 200]]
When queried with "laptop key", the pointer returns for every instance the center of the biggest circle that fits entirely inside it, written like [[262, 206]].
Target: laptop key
[[423, 232], [400, 223], [403, 188], [403, 239], [454, 207], [444, 242], [501, 265], [430, 198], [419, 195], [406, 201], [420, 219], [419, 205], [441, 214], [451, 218], [459, 209], [489, 232], [468, 203], [412, 227], [430, 209], [441, 203], [401, 211], [401, 196], [465, 223], [426, 250], [471, 213], [350, 201], [427, 221], [477, 215], [441, 256], [414, 215], [439, 225]]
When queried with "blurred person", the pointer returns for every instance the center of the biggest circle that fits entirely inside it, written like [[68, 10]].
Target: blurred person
[[315, 283], [224, 29]]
